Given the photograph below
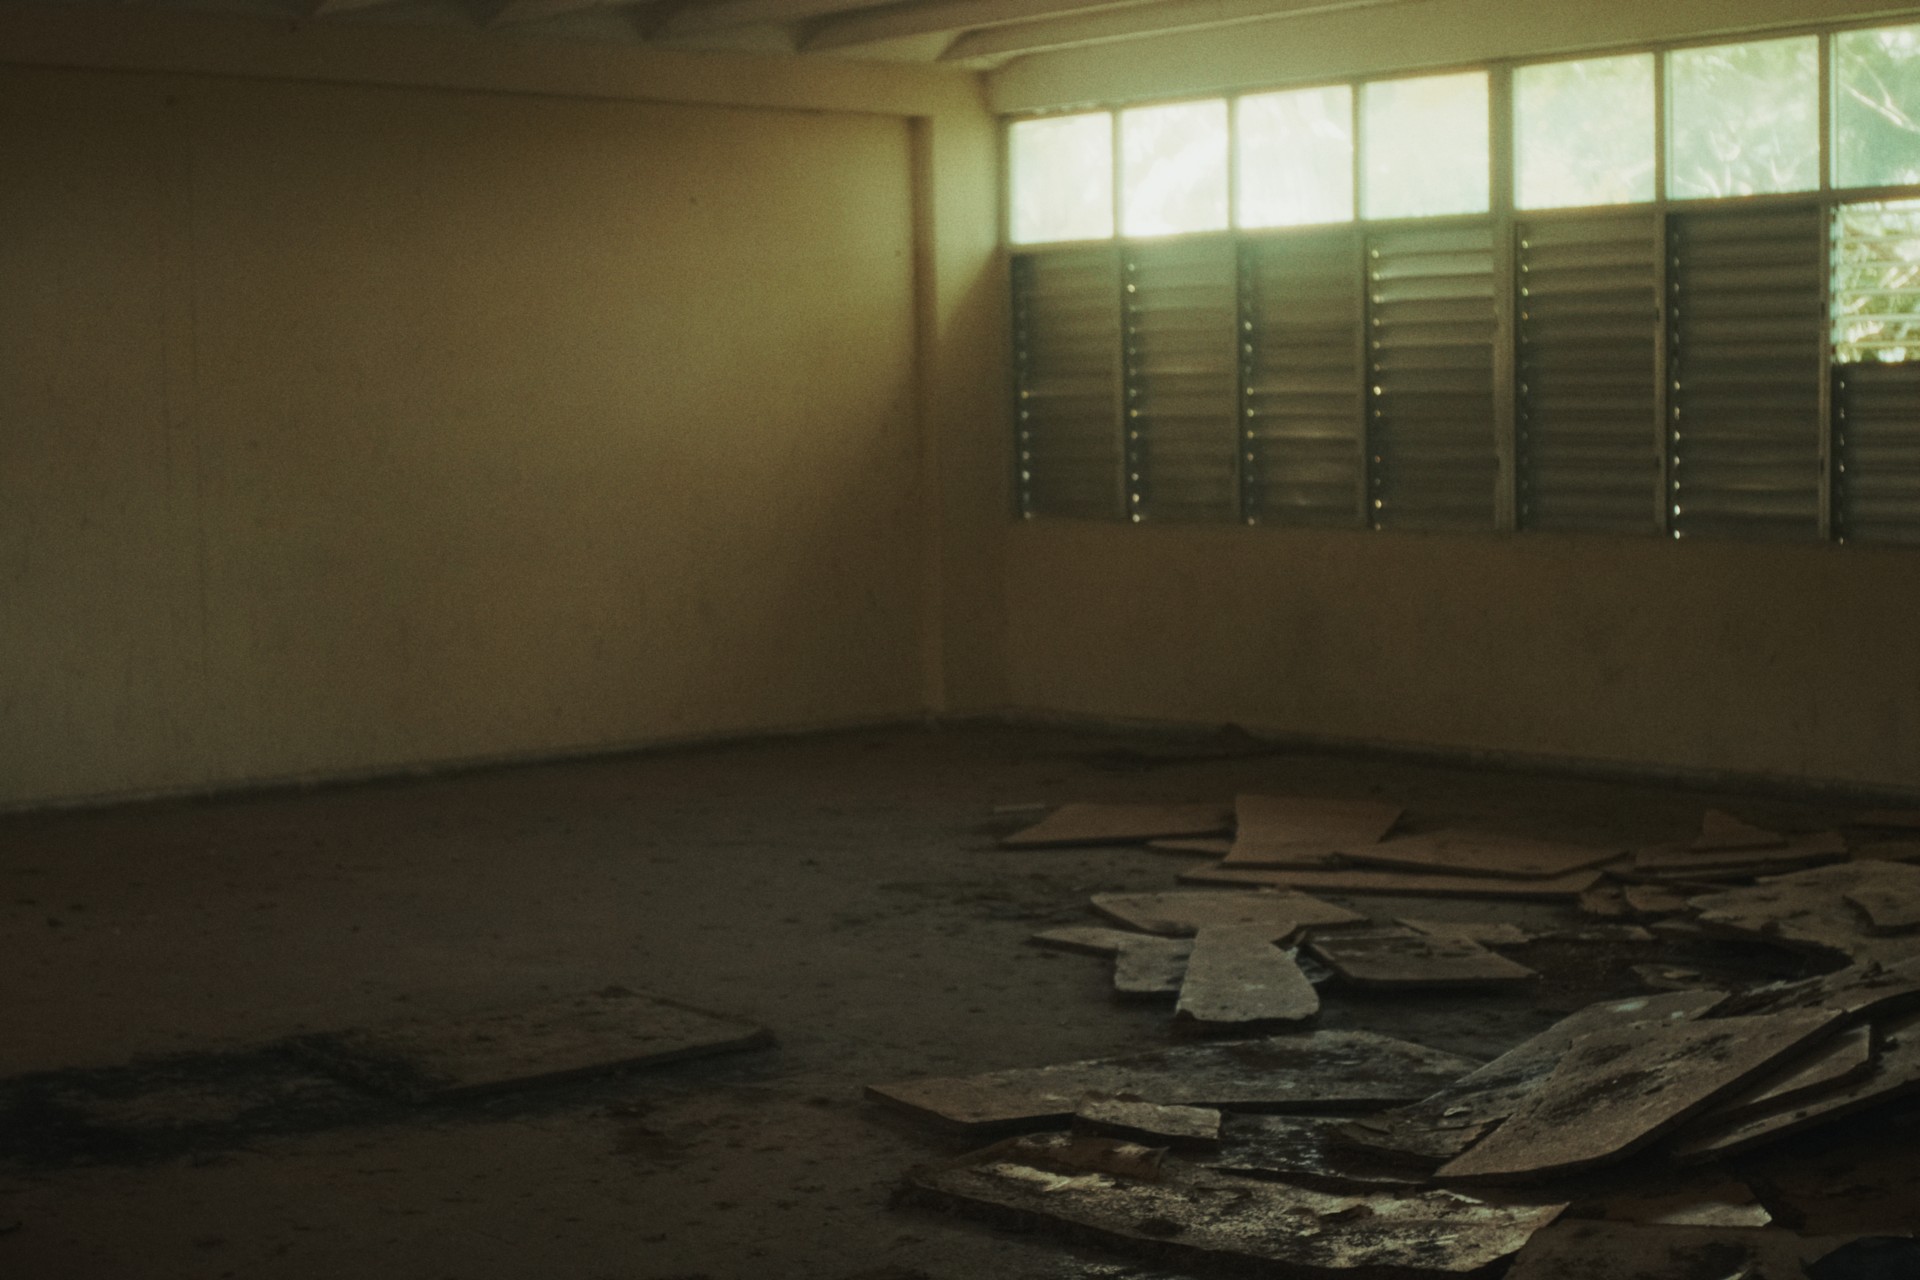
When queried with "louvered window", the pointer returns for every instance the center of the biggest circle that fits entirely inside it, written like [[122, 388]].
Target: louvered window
[[1180, 300], [1067, 372], [1589, 333], [1303, 378], [1431, 328], [1746, 335], [1876, 383]]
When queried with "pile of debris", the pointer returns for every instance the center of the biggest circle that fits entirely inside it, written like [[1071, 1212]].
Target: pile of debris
[[1605, 1147]]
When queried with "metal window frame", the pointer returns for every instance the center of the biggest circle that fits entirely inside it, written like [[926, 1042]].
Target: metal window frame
[[1504, 219]]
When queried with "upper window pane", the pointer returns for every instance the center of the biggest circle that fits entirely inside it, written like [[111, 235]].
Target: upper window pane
[[1296, 157], [1583, 132], [1426, 146], [1173, 168], [1876, 107], [1061, 180], [1745, 118]]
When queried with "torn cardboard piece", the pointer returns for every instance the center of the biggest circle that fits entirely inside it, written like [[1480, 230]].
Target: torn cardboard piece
[[1567, 888], [1440, 1127], [434, 1059], [1616, 1091], [1303, 831], [1480, 854], [1721, 831], [1080, 824], [1810, 910], [1185, 912], [1842, 1060], [1675, 863], [1323, 1070], [1486, 933], [1238, 980], [1151, 1123], [1197, 1217], [1582, 1250], [1404, 960], [1306, 1151], [1146, 967]]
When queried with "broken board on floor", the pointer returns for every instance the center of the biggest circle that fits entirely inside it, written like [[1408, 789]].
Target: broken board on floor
[[1078, 824], [1306, 1151], [1809, 909], [1237, 980], [1185, 912], [1192, 1216], [1153, 1123], [1438, 1128], [1324, 1070], [1146, 967], [1406, 960], [1614, 1092], [1672, 862], [1843, 1060], [430, 1059], [1478, 854], [1720, 831], [1565, 888], [1302, 831], [1576, 1250]]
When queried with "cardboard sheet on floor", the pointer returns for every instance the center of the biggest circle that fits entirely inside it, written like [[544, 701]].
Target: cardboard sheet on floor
[[1306, 1151], [431, 1059], [1195, 1217], [1480, 854], [1405, 960], [1887, 909], [1205, 846], [1867, 990], [1615, 1092], [1842, 1060], [1651, 901], [1720, 830], [1087, 939], [1488, 933], [1565, 888], [1184, 912], [1320, 1071], [1673, 862], [1076, 824], [1238, 981], [1303, 831], [1896, 1075], [1809, 910], [1604, 902], [1151, 1123], [1438, 1128], [1705, 1204], [1578, 1250], [1150, 968]]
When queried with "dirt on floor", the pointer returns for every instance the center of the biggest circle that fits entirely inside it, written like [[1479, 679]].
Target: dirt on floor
[[845, 891]]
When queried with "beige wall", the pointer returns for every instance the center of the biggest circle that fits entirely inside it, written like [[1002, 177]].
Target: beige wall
[[350, 428], [1790, 661]]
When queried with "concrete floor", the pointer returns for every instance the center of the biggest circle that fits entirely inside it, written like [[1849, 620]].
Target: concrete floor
[[844, 890]]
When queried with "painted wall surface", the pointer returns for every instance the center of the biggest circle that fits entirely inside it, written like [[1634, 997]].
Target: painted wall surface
[[1790, 661], [347, 428]]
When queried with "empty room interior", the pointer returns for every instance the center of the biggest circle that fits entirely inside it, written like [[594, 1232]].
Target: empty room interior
[[1047, 639]]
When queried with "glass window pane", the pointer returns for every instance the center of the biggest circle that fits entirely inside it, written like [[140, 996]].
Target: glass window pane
[[1583, 132], [1876, 282], [1061, 178], [1426, 146], [1745, 118], [1876, 107], [1173, 168], [1296, 157]]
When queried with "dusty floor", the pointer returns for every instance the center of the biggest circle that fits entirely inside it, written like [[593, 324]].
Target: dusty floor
[[845, 891]]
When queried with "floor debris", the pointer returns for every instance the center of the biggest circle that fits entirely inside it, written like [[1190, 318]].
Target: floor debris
[[1440, 1127], [1149, 1122], [1615, 1092], [1239, 980], [1895, 1075], [1566, 888], [1810, 909], [1487, 933], [1719, 1204], [1302, 831], [1844, 1059], [424, 1060], [1682, 863], [1576, 1250], [1078, 824], [1149, 968], [1206, 846], [1403, 959], [1198, 1217], [1721, 830], [1319, 1071], [1306, 1151], [1187, 912], [1472, 853], [1087, 939]]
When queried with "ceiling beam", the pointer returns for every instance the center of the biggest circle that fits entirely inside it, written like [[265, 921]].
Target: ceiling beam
[[1135, 22], [896, 21], [725, 15]]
